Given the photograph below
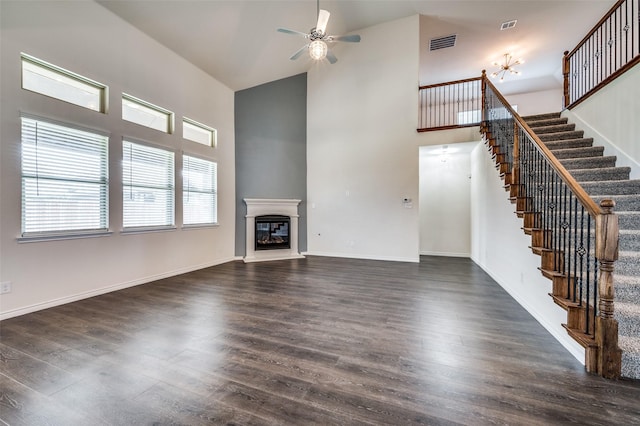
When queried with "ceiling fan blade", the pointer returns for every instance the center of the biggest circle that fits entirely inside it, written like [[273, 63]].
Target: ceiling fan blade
[[323, 20], [331, 57], [299, 52], [287, 31], [354, 38]]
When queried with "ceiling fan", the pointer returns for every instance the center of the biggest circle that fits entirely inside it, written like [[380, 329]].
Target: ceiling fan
[[318, 39]]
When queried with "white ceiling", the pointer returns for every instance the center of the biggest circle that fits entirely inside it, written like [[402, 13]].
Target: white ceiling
[[236, 41]]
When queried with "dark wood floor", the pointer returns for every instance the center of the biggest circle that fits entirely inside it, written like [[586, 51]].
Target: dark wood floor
[[310, 341]]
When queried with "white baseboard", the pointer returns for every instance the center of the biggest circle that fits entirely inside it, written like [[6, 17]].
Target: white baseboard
[[108, 289], [444, 254], [365, 256]]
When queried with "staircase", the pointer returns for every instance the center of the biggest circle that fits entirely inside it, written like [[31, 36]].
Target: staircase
[[601, 179]]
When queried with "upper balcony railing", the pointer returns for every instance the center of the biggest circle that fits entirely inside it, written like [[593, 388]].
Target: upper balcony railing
[[607, 51], [450, 105]]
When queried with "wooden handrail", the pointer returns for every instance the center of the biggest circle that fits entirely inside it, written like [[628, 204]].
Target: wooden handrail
[[584, 198], [450, 83], [453, 126]]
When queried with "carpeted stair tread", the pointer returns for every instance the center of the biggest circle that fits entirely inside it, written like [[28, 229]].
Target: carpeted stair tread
[[627, 287], [630, 355], [588, 162], [569, 143], [572, 153], [623, 202], [551, 128], [547, 122], [602, 174], [626, 280], [626, 293], [627, 187], [628, 316], [629, 238], [556, 128], [628, 263], [538, 117], [557, 136], [629, 220], [629, 309]]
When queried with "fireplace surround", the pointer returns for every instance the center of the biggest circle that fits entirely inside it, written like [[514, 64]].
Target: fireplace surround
[[259, 208]]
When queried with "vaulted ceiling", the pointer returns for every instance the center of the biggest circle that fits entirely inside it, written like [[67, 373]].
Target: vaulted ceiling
[[236, 41]]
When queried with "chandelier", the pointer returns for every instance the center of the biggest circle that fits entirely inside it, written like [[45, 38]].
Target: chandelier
[[506, 66]]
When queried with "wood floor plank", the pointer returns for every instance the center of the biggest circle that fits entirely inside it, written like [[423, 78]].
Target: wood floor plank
[[20, 405], [308, 341]]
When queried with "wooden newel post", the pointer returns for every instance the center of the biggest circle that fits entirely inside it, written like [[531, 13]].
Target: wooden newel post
[[606, 331], [565, 73]]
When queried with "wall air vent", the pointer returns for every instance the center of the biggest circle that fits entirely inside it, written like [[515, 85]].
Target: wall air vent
[[508, 25], [442, 42]]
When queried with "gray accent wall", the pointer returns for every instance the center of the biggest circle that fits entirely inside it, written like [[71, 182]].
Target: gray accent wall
[[271, 148]]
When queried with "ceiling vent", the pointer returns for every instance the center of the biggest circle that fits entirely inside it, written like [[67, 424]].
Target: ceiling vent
[[508, 25], [442, 42]]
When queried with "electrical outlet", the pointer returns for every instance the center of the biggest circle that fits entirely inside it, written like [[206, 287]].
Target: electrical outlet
[[5, 287]]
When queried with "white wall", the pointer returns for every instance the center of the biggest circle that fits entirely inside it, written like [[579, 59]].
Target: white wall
[[540, 102], [445, 200], [85, 38], [501, 249], [362, 147], [610, 117]]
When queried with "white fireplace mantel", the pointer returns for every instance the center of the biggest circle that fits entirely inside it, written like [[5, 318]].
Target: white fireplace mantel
[[270, 206]]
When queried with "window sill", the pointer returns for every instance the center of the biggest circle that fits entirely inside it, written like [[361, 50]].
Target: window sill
[[147, 229], [200, 226], [59, 237]]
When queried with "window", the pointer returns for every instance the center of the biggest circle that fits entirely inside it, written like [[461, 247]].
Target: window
[[146, 114], [64, 179], [469, 117], [148, 186], [50, 80], [198, 132], [199, 179]]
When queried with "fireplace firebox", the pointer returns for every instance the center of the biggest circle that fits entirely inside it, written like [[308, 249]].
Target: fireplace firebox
[[272, 232]]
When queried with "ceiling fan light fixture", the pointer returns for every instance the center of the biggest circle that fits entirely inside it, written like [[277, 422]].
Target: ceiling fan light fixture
[[318, 50], [318, 39]]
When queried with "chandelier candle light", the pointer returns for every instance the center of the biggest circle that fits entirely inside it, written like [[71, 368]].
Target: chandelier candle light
[[506, 66]]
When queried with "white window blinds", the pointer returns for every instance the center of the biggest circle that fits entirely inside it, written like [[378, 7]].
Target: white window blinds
[[199, 194], [64, 179], [148, 186]]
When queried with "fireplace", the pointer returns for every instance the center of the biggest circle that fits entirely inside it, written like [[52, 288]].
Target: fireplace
[[272, 229], [272, 232]]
